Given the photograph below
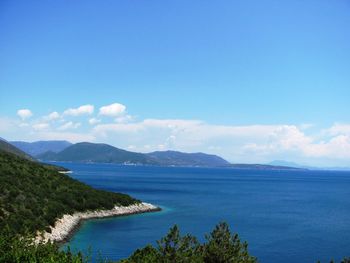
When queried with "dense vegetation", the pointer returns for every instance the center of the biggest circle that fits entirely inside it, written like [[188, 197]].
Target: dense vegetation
[[15, 249], [220, 247], [33, 196]]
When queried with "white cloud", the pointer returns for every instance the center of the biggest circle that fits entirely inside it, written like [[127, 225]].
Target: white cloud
[[301, 143], [124, 119], [69, 136], [23, 124], [251, 143], [52, 116], [94, 121], [131, 147], [188, 135], [113, 110], [24, 114], [290, 140], [6, 124], [82, 110], [41, 126], [68, 125], [338, 128]]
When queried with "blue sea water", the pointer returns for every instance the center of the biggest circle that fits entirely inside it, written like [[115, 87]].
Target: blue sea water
[[285, 216]]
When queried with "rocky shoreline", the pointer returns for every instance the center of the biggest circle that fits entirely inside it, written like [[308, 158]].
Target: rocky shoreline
[[66, 226]]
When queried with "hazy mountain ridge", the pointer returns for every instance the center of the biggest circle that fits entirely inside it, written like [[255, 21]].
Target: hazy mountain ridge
[[264, 167], [40, 147], [103, 153], [9, 148], [309, 167]]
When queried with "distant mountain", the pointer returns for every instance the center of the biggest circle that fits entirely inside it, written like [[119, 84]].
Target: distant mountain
[[97, 153], [175, 158], [39, 147], [264, 167], [286, 163], [5, 146], [104, 153], [291, 164]]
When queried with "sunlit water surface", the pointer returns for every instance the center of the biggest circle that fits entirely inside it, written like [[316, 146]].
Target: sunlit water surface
[[285, 216]]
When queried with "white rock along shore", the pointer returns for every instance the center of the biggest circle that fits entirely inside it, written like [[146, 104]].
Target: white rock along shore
[[66, 225]]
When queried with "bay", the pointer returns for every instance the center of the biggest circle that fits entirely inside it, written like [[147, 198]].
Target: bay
[[285, 216]]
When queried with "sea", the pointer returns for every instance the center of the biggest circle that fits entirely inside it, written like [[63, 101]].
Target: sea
[[284, 215]]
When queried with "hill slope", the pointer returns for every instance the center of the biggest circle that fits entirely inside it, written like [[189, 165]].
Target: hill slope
[[33, 196], [9, 148], [39, 147], [187, 159], [96, 152]]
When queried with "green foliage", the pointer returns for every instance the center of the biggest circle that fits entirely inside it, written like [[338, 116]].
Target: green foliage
[[223, 247], [14, 249], [33, 196], [174, 248], [55, 167], [220, 247]]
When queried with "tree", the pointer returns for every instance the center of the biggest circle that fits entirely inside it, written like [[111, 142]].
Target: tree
[[221, 247]]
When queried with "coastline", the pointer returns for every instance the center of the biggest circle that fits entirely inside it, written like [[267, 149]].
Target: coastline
[[65, 172], [67, 225]]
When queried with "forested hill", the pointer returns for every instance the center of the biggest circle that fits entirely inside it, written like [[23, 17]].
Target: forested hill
[[96, 152], [176, 158], [33, 196], [104, 153]]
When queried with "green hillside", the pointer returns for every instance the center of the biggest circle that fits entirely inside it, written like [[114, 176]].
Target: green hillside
[[33, 196], [7, 147]]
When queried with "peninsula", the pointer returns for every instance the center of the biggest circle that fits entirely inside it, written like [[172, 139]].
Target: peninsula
[[66, 225], [38, 199]]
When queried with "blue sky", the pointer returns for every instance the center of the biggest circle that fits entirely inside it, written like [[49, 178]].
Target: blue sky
[[272, 67]]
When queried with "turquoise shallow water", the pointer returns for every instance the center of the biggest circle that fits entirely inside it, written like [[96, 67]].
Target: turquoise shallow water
[[286, 216]]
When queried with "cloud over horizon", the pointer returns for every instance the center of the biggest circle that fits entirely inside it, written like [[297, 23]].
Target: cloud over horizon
[[84, 109], [112, 110], [24, 114], [249, 143]]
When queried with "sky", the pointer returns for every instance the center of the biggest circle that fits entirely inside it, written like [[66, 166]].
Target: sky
[[252, 81]]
